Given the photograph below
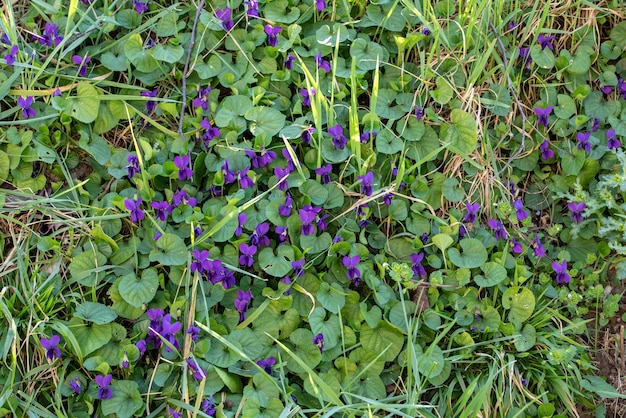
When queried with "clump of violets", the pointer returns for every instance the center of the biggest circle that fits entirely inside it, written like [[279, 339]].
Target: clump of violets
[[613, 142], [318, 340], [267, 364], [224, 16], [498, 228], [583, 141], [82, 64], [50, 345], [472, 210], [134, 206], [169, 330], [353, 273], [25, 103], [103, 382], [200, 261], [182, 162], [577, 211], [339, 139], [545, 41], [272, 34], [562, 276], [241, 303], [542, 114]]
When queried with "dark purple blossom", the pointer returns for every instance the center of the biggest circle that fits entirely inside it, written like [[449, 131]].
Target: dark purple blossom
[[202, 100], [285, 210], [272, 34], [546, 152], [125, 362], [50, 35], [252, 10], [208, 407], [321, 222], [104, 391], [621, 85], [25, 103], [419, 113], [12, 55], [241, 303], [516, 246], [197, 231], [416, 265], [318, 340], [282, 174], [267, 364], [201, 261], [224, 16], [243, 179], [169, 331], [306, 94], [181, 197], [307, 216], [259, 236], [82, 64], [322, 64], [426, 31], [195, 369], [247, 251], [320, 5], [283, 233], [424, 238], [298, 267], [583, 141], [542, 114], [472, 211], [498, 229], [182, 163], [545, 41], [140, 6], [366, 183], [562, 276], [520, 212], [511, 26], [150, 104], [210, 131], [162, 209], [324, 171], [174, 414], [577, 211], [286, 280], [217, 273], [133, 165], [613, 142], [307, 134], [142, 346], [75, 385], [595, 124], [259, 161], [607, 90], [157, 235], [367, 136], [291, 166], [538, 249], [353, 272], [289, 62], [336, 133], [241, 219], [50, 345], [134, 206]]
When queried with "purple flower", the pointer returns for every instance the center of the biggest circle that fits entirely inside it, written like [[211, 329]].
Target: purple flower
[[595, 124], [267, 364], [82, 64], [545, 41], [196, 371], [75, 385], [140, 7], [25, 103], [336, 133], [202, 100], [419, 113], [289, 62], [133, 165], [577, 211], [298, 267], [353, 272], [201, 261], [50, 344], [613, 142], [285, 210], [181, 197], [511, 26], [307, 96], [150, 104], [418, 269], [283, 233], [272, 34], [162, 209], [50, 36], [282, 174], [174, 414], [367, 136], [241, 219], [241, 303], [104, 391], [320, 5], [307, 134], [366, 183], [318, 340], [252, 11], [217, 273], [169, 331], [498, 228], [426, 31], [259, 161], [538, 248], [321, 222], [583, 141], [12, 55], [324, 172], [521, 214], [210, 131], [472, 211], [134, 206], [223, 15], [543, 113], [322, 64], [307, 216], [243, 179], [182, 163], [516, 246], [194, 332], [606, 90], [247, 251], [562, 277], [259, 236], [546, 152]]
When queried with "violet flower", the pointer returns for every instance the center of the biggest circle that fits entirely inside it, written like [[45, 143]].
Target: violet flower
[[285, 210], [498, 228], [104, 391], [595, 124], [367, 136], [241, 219], [516, 246], [322, 64], [426, 31], [583, 141], [366, 183], [241, 303], [223, 15], [545, 41], [546, 152], [267, 364], [252, 10], [606, 90], [150, 104], [520, 212], [169, 331], [562, 277], [133, 165], [272, 34], [418, 269], [82, 64], [162, 209], [243, 179], [283, 234], [208, 407], [180, 197], [318, 340], [307, 134], [577, 211], [613, 142], [324, 171], [387, 199], [247, 251], [259, 236], [282, 174], [419, 113], [472, 211], [75, 385], [353, 272], [538, 249], [543, 113], [201, 261], [298, 267], [140, 7], [321, 222], [194, 332], [174, 414], [25, 103], [307, 216], [320, 5], [12, 55], [203, 99], [289, 62], [134, 206], [336, 133], [210, 132], [50, 36], [182, 163], [307, 96], [195, 369], [50, 345]]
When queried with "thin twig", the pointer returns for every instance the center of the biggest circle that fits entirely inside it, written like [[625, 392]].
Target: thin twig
[[186, 68]]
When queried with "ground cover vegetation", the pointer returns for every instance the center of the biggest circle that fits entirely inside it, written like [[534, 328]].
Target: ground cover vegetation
[[309, 208]]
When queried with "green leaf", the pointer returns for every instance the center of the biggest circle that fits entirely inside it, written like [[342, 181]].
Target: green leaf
[[595, 106], [280, 12], [4, 166], [462, 134], [212, 68], [222, 356], [325, 36], [367, 53], [315, 191], [277, 264], [126, 399], [580, 248], [497, 99], [521, 303], [573, 162], [114, 62], [385, 339], [494, 274], [95, 312], [316, 244], [452, 191], [443, 93], [431, 362], [600, 387], [140, 57], [388, 143], [442, 241], [542, 58], [304, 349], [168, 53], [231, 108], [84, 267], [566, 107], [265, 120], [171, 251], [167, 25], [474, 254], [527, 339], [138, 292], [90, 338], [618, 35], [84, 107], [330, 328]]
